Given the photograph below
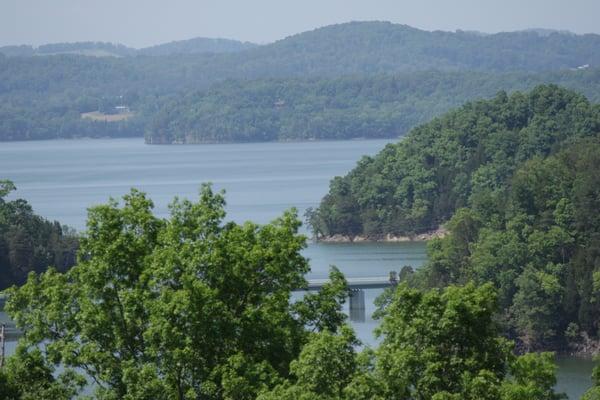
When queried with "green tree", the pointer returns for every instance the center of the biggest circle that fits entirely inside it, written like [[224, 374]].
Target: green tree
[[446, 345], [29, 242], [532, 376], [27, 375], [323, 370], [6, 187], [436, 344], [536, 305], [186, 307], [594, 392]]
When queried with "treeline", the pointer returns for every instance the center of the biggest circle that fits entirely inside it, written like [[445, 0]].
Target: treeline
[[517, 179], [30, 243], [373, 47], [385, 106], [98, 49], [417, 184], [192, 307], [43, 96], [196, 46], [44, 99], [104, 49]]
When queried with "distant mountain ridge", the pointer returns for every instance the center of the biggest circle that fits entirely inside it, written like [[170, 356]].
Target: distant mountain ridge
[[366, 47], [197, 45], [381, 47], [44, 97], [94, 49]]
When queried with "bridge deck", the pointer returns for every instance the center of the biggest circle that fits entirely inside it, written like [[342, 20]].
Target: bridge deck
[[373, 282]]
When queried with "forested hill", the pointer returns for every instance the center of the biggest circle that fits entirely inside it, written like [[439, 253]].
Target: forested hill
[[363, 47], [102, 49], [196, 46], [45, 96], [460, 158], [383, 47], [95, 49], [384, 106]]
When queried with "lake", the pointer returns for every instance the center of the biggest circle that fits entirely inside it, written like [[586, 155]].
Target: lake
[[60, 179]]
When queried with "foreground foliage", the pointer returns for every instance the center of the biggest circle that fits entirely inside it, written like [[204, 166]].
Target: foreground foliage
[[435, 345], [594, 392], [188, 307], [191, 307]]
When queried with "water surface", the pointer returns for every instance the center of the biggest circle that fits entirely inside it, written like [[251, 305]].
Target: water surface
[[62, 178]]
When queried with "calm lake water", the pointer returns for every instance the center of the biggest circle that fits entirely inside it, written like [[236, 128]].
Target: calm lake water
[[61, 179]]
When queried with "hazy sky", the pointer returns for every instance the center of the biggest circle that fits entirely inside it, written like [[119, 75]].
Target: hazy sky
[[139, 23]]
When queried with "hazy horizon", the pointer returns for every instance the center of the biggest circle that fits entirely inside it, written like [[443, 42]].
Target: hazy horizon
[[308, 30], [138, 24]]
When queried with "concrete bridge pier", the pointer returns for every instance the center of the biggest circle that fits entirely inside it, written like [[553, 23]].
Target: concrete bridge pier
[[357, 305]]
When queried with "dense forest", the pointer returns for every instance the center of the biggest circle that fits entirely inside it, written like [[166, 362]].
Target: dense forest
[[98, 49], [192, 307], [537, 239], [196, 46], [416, 185], [30, 243], [518, 179], [384, 106], [43, 96]]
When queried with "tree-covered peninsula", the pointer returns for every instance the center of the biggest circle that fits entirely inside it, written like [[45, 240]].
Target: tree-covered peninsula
[[537, 240], [515, 180], [417, 184]]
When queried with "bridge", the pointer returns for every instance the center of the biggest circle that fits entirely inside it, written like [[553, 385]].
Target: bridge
[[372, 282], [357, 294], [356, 303]]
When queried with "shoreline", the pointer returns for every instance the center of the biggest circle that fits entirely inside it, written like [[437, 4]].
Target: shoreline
[[387, 238], [150, 142]]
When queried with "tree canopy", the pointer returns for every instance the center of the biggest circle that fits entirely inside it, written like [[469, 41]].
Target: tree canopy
[[455, 160], [537, 241], [383, 106], [435, 345], [185, 307], [193, 307], [515, 181], [29, 242]]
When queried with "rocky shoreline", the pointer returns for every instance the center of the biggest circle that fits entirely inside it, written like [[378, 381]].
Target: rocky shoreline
[[584, 347], [421, 237]]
